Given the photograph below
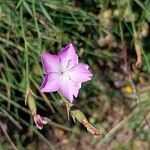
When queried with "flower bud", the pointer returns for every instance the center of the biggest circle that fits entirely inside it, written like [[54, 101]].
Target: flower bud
[[39, 121], [31, 103], [77, 114]]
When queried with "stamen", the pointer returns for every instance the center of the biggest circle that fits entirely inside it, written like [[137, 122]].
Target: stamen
[[68, 63]]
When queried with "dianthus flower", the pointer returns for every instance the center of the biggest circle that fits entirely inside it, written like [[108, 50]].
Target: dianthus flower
[[64, 73]]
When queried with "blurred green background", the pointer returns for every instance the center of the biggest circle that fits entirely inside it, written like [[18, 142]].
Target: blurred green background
[[112, 37]]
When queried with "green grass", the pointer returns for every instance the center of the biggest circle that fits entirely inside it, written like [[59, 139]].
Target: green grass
[[104, 33]]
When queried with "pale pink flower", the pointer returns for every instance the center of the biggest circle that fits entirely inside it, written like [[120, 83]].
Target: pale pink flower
[[40, 121], [64, 73]]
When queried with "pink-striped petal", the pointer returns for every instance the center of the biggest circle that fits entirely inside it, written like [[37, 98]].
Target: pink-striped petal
[[77, 86], [80, 73], [68, 57], [51, 63], [50, 82], [68, 88]]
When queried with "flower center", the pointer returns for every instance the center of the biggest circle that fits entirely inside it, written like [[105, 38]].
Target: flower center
[[62, 72]]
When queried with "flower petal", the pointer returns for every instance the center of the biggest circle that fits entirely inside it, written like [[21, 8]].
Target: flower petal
[[68, 57], [50, 83], [77, 86], [69, 88], [40, 121], [80, 73], [51, 63]]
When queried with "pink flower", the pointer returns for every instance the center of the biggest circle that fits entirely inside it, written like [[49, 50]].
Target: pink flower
[[40, 121], [64, 73]]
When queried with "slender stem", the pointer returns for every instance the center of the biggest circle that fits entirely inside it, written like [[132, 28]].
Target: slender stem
[[7, 136], [26, 54]]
